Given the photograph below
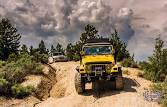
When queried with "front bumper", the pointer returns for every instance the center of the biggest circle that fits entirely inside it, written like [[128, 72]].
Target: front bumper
[[93, 77]]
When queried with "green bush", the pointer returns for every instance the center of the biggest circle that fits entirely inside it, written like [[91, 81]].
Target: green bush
[[129, 63], [3, 85], [164, 101], [21, 91], [2, 63], [76, 57], [134, 65], [155, 67], [13, 72], [42, 58], [162, 87], [12, 57], [142, 65], [126, 62]]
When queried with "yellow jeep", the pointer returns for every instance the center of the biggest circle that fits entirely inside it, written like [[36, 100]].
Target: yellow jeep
[[97, 63]]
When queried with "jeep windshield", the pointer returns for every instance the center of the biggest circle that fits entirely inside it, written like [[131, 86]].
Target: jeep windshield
[[98, 50]]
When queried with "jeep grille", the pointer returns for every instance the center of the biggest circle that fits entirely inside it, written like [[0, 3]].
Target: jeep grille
[[98, 68]]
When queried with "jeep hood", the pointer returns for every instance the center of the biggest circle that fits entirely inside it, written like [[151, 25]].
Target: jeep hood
[[97, 58]]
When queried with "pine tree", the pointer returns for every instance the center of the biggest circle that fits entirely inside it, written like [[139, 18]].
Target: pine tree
[[24, 49], [42, 48], [59, 48], [70, 51], [31, 50], [119, 46], [89, 33], [9, 39], [155, 69], [52, 49]]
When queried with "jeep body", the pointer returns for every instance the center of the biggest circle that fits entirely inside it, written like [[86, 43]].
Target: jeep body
[[98, 63]]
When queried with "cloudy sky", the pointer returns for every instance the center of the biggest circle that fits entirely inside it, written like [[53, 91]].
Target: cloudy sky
[[138, 22]]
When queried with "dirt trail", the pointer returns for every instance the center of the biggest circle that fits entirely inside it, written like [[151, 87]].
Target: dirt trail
[[63, 93]]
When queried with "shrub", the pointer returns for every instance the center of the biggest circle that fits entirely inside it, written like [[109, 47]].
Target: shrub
[[21, 91], [164, 101], [3, 85], [139, 74], [13, 72], [129, 63], [12, 57], [134, 65], [142, 65], [2, 63], [42, 58], [126, 63], [155, 67], [76, 57], [162, 87]]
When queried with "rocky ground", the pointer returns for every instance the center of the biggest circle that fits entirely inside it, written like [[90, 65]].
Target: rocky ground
[[63, 93]]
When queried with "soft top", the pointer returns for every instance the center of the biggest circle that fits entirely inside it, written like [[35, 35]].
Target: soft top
[[102, 41]]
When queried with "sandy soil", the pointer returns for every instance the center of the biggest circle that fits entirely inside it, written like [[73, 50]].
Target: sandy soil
[[63, 93]]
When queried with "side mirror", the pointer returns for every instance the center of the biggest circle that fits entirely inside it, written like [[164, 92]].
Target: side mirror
[[82, 53]]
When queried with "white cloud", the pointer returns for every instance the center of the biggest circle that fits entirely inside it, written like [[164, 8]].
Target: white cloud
[[138, 21]]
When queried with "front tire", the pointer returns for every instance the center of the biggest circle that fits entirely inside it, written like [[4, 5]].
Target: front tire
[[79, 84]]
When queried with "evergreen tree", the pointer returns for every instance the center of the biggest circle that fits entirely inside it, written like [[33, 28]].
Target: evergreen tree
[[89, 33], [31, 50], [119, 46], [155, 69], [52, 49], [70, 51], [24, 49], [9, 39], [59, 48], [47, 51], [42, 48]]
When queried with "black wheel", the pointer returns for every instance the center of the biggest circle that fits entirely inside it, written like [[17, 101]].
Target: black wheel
[[79, 84], [119, 83]]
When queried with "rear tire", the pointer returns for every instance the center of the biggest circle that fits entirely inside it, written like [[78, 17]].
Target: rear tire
[[79, 84]]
